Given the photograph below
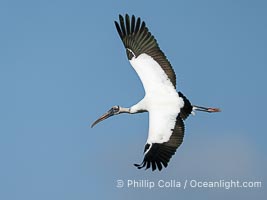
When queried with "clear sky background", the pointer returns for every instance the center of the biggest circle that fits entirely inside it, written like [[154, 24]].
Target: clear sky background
[[62, 65]]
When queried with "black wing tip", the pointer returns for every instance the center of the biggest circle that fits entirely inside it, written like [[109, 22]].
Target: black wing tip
[[127, 20], [140, 166], [120, 17], [158, 155], [126, 15], [154, 165]]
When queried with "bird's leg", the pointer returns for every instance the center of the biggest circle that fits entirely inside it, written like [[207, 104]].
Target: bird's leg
[[205, 109]]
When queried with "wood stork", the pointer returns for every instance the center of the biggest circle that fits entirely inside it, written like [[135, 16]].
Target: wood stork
[[167, 108]]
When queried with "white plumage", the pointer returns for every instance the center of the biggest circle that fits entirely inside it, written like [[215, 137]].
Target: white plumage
[[154, 79]]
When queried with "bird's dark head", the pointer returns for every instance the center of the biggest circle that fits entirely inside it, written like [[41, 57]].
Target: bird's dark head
[[113, 111]]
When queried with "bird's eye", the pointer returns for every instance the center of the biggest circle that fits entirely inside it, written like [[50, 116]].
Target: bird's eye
[[117, 109]]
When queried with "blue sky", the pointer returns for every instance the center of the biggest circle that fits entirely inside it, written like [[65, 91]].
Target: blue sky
[[62, 65]]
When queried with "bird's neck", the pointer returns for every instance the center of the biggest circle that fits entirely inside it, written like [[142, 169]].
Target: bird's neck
[[124, 110], [139, 107]]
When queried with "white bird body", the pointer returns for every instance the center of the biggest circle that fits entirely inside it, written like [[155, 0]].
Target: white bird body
[[162, 115], [167, 108], [161, 100]]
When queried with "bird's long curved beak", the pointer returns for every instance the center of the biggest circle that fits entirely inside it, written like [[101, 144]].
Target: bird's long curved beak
[[103, 117]]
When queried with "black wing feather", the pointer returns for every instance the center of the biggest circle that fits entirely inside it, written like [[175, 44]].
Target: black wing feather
[[136, 37], [127, 19], [122, 25], [160, 153]]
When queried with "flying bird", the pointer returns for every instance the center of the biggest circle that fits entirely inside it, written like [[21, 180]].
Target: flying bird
[[167, 108]]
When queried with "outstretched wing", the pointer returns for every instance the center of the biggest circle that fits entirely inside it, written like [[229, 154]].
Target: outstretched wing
[[144, 53], [159, 154]]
